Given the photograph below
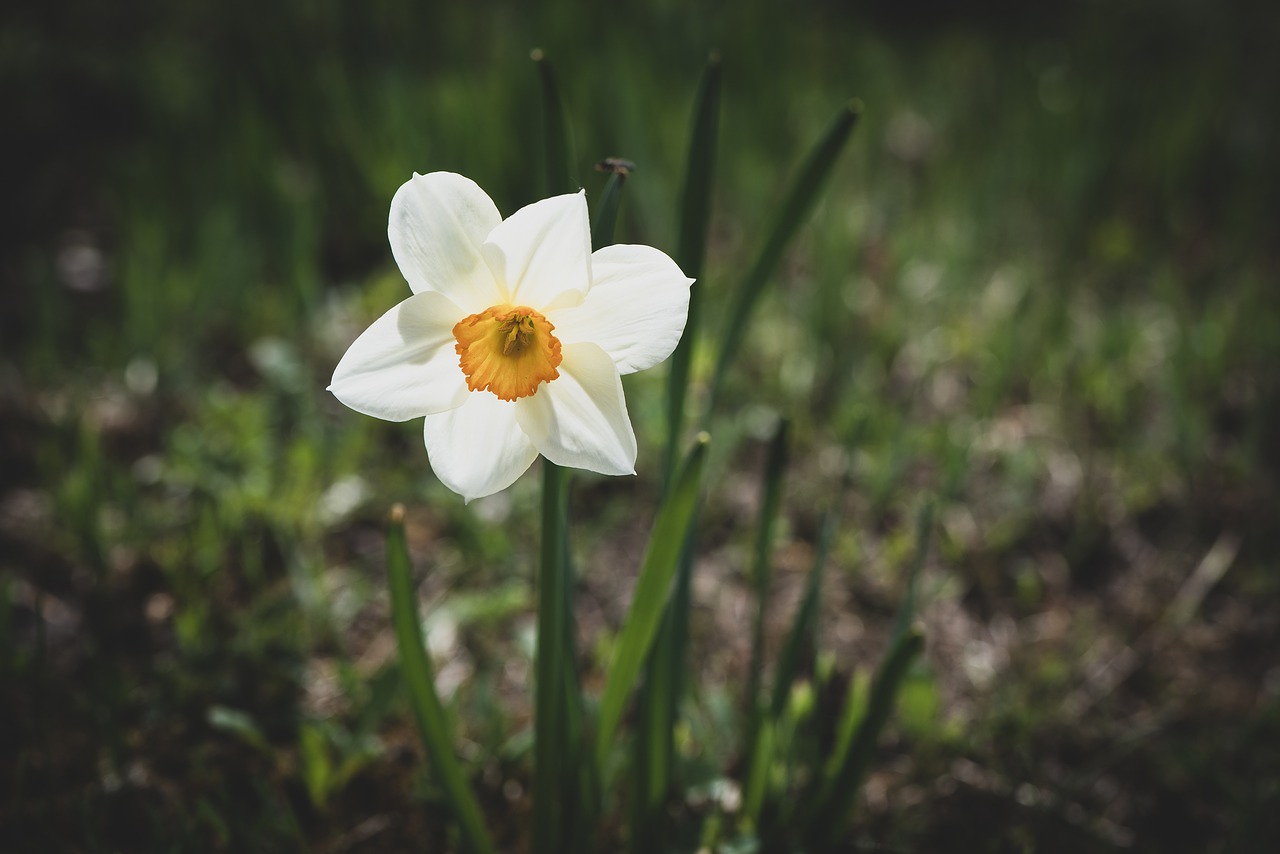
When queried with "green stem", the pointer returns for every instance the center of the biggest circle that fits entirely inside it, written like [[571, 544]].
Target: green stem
[[548, 752]]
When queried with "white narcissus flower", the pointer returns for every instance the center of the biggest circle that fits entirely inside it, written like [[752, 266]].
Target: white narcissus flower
[[516, 336]]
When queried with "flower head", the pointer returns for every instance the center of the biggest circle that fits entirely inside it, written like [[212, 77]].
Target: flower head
[[516, 336]]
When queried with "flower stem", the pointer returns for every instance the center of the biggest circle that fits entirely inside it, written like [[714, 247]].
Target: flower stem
[[552, 600]]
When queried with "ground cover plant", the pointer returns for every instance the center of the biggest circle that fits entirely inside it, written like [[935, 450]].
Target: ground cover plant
[[1012, 373]]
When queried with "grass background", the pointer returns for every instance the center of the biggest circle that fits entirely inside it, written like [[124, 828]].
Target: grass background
[[1041, 290]]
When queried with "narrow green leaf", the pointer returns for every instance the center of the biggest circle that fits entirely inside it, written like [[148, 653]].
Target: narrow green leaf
[[771, 488], [556, 143], [804, 627], [695, 200], [317, 764], [849, 765], [691, 251], [924, 535], [606, 221], [664, 668], [551, 766], [655, 713], [761, 577], [851, 714], [652, 749], [794, 211], [240, 724], [758, 773], [834, 802], [429, 714], [649, 599]]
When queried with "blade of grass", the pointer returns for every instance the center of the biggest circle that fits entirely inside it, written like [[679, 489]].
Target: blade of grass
[[758, 773], [804, 627], [691, 250], [834, 803], [761, 577], [660, 691], [652, 588], [556, 143], [852, 714], [848, 767], [664, 668], [794, 211], [802, 637], [428, 712], [924, 534], [653, 747], [602, 227]]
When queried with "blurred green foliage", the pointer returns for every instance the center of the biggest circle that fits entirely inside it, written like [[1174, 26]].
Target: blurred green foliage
[[1041, 288]]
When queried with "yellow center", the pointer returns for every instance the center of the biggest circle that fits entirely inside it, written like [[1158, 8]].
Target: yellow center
[[508, 350]]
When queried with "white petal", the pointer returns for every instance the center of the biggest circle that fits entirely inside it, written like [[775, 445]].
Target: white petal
[[636, 308], [437, 225], [580, 419], [541, 253], [478, 449], [404, 365]]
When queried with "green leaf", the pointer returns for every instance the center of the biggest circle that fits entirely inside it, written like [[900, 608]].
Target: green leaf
[[653, 748], [851, 714], [655, 714], [758, 773], [795, 209], [761, 577], [317, 766], [924, 535], [556, 144], [691, 251], [240, 724], [664, 668], [849, 765], [649, 599], [605, 223], [801, 639], [834, 802], [428, 711]]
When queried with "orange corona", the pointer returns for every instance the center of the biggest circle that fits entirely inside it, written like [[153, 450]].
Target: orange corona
[[507, 350]]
